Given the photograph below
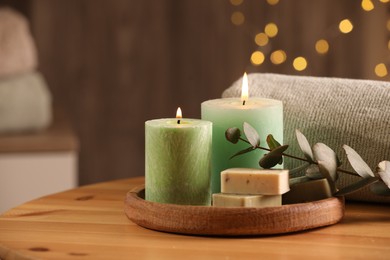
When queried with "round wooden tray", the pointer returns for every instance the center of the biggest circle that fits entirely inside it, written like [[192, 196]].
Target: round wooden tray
[[205, 220]]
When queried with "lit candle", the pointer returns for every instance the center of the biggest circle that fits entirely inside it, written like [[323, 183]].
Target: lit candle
[[177, 160], [265, 115]]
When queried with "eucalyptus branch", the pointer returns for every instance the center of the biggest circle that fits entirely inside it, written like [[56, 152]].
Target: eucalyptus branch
[[327, 164], [299, 158]]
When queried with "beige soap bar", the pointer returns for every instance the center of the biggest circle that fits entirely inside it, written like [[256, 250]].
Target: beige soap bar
[[254, 181], [239, 200], [307, 191]]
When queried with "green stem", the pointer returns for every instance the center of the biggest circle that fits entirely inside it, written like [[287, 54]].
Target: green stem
[[299, 158]]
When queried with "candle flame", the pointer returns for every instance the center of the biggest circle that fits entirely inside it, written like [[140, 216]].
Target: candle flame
[[178, 113], [244, 89]]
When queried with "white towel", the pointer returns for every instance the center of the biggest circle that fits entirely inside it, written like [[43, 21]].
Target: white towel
[[25, 103], [333, 111], [17, 49]]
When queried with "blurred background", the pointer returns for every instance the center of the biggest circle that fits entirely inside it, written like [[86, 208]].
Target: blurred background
[[112, 65]]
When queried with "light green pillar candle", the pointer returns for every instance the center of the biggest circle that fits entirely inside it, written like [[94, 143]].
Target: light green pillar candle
[[177, 161], [265, 115]]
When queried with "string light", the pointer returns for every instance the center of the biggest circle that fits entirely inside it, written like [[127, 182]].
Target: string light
[[345, 26], [261, 39], [322, 46], [237, 18], [272, 2], [278, 57], [236, 2], [257, 58], [367, 5], [299, 63], [271, 30], [381, 70]]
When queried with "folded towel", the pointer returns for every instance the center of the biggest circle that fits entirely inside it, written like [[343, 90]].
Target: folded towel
[[17, 49], [333, 111], [25, 103]]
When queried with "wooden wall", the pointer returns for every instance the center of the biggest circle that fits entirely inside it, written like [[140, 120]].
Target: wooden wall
[[115, 64]]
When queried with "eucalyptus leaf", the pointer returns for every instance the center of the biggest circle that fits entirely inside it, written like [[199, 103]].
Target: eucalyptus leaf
[[304, 145], [356, 186], [313, 172], [324, 153], [299, 169], [247, 150], [357, 163], [233, 134], [272, 158], [251, 134], [380, 188], [272, 143], [327, 170], [384, 172]]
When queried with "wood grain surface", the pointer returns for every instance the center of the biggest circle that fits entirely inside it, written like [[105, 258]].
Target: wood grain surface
[[89, 223], [203, 220]]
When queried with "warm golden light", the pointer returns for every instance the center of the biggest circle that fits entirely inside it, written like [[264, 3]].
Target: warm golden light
[[237, 18], [271, 30], [278, 57], [367, 5], [272, 2], [178, 113], [322, 46], [345, 26], [261, 39], [244, 89], [388, 45], [384, 1], [381, 70], [300, 63], [236, 2], [257, 58]]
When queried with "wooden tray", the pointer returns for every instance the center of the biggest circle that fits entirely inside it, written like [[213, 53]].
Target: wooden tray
[[204, 220]]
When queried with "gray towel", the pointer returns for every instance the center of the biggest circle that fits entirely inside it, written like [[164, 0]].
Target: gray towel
[[333, 111], [25, 103]]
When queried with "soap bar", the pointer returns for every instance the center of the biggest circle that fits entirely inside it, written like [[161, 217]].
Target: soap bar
[[239, 200], [307, 191], [254, 181]]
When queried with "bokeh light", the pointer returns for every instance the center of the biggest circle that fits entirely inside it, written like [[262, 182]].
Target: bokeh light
[[237, 18], [367, 5], [278, 57], [257, 58], [384, 1], [381, 70], [236, 2], [345, 26], [322, 46], [271, 30], [261, 39], [299, 63], [388, 44], [272, 2]]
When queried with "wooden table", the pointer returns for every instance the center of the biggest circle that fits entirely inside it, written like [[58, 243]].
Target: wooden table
[[89, 223]]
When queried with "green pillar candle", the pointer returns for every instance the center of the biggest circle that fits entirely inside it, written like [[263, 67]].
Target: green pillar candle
[[177, 161], [265, 115]]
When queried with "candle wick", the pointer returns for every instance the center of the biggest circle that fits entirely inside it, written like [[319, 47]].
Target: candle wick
[[178, 121], [243, 103]]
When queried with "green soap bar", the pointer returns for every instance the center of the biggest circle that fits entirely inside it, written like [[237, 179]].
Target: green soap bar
[[307, 191]]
